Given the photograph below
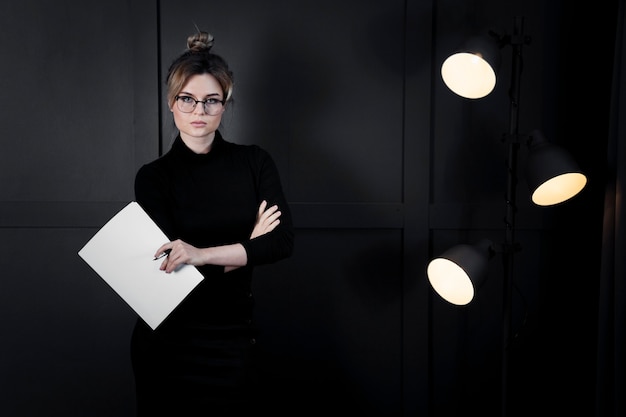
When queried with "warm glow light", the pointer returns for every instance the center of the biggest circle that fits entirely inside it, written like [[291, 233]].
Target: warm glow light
[[552, 174], [468, 75], [450, 281], [559, 189]]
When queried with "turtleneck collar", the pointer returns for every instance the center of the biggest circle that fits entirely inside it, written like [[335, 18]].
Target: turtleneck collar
[[181, 149]]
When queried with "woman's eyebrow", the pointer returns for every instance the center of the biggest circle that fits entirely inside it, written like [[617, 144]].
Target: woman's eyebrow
[[193, 95]]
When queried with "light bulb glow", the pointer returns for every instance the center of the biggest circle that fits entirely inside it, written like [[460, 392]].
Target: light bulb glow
[[450, 281], [468, 75], [559, 189]]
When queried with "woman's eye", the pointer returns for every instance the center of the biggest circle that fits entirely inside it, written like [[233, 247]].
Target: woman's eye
[[186, 99], [212, 100]]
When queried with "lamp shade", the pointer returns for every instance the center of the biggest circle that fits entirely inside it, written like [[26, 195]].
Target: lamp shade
[[553, 176], [458, 272], [471, 71]]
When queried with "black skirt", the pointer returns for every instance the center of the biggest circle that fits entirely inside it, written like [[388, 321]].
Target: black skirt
[[193, 369]]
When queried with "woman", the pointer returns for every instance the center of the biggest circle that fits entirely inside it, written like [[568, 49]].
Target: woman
[[223, 207]]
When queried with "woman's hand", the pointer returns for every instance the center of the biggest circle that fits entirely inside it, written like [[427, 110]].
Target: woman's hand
[[266, 220], [180, 253]]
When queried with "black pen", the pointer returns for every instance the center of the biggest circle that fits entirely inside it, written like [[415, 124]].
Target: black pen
[[165, 253]]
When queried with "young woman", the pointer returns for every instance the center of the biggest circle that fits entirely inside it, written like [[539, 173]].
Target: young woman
[[223, 207]]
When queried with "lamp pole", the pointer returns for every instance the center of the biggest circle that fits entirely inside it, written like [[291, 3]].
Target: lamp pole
[[510, 247]]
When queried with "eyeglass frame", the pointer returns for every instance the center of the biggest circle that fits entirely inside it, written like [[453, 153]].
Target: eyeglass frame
[[204, 103]]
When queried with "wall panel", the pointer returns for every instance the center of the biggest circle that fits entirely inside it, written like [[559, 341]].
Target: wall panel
[[337, 95]]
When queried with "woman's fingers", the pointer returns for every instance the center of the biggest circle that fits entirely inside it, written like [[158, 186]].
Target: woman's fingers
[[261, 209], [267, 219]]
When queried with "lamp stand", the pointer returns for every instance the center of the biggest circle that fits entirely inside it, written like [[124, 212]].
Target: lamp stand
[[510, 247]]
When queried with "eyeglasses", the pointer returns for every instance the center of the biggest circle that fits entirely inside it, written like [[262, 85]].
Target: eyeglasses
[[187, 104]]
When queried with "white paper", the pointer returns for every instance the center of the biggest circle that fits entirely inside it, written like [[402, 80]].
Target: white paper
[[122, 253]]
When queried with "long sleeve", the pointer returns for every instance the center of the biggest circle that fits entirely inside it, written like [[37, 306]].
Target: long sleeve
[[277, 244], [151, 192]]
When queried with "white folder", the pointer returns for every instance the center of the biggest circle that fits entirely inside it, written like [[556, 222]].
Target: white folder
[[122, 253]]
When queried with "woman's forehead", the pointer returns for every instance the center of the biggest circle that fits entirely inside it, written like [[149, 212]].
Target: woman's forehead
[[202, 85]]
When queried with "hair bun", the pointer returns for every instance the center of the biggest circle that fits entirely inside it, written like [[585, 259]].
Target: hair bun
[[200, 42]]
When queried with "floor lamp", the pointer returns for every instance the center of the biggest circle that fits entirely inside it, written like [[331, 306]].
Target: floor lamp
[[552, 175]]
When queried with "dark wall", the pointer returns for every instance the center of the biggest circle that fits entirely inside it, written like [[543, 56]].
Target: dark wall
[[70, 138], [383, 167]]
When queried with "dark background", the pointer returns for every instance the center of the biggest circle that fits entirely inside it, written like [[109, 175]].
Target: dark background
[[383, 166]]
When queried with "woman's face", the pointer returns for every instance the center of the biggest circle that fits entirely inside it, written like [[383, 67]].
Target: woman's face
[[198, 126]]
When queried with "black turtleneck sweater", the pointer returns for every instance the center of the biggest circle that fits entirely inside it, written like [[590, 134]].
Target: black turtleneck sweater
[[209, 200]]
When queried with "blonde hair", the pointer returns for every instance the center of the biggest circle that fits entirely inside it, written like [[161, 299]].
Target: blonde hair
[[198, 59]]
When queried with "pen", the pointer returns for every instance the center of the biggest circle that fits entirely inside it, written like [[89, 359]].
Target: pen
[[165, 253]]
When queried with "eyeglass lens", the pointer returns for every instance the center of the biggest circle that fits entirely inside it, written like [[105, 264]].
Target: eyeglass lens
[[187, 105]]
